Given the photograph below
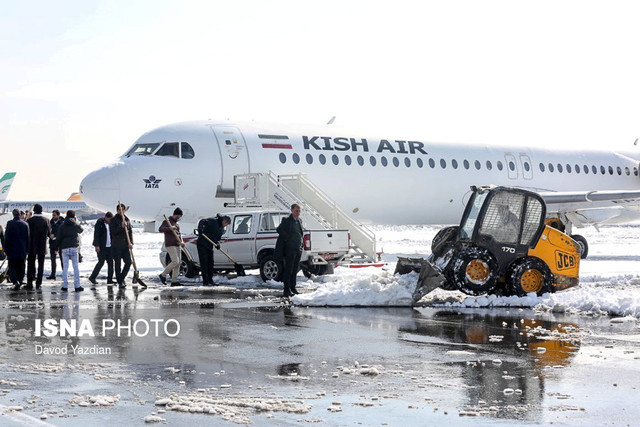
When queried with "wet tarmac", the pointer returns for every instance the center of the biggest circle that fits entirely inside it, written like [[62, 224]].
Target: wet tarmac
[[226, 357]]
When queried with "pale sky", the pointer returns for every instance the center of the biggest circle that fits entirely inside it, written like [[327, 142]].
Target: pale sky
[[81, 80]]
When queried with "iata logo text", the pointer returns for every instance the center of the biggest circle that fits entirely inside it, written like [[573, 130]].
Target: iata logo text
[[152, 182], [564, 260]]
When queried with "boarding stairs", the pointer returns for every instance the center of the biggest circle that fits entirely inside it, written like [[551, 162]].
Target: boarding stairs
[[319, 211]]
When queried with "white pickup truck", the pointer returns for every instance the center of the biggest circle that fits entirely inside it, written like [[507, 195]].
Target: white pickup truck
[[250, 240]]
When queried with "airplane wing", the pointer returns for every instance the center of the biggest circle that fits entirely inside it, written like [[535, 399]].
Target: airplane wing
[[584, 208]]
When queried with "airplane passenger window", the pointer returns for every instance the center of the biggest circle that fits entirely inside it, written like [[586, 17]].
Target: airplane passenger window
[[635, 171], [466, 164], [322, 159], [372, 160], [627, 171], [619, 170], [610, 170], [283, 158], [559, 168], [296, 158], [550, 167], [169, 149], [143, 149], [499, 164], [594, 169], [187, 151], [489, 166], [585, 168], [396, 162], [512, 166], [541, 166], [477, 164], [454, 163], [602, 170], [309, 158], [347, 160], [407, 162], [527, 167], [568, 168], [432, 163], [420, 163], [334, 159], [360, 161], [577, 168], [443, 163], [384, 161]]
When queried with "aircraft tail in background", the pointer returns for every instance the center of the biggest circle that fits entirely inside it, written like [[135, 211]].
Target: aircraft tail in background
[[5, 185]]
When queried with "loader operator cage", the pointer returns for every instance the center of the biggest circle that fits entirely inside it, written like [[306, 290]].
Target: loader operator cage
[[508, 216]]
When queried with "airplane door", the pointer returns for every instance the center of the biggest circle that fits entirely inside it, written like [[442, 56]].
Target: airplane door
[[233, 154], [512, 166], [527, 167]]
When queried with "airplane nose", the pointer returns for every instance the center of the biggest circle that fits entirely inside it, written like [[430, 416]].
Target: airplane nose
[[101, 188]]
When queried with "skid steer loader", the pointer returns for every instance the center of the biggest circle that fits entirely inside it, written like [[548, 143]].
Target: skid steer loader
[[502, 246]]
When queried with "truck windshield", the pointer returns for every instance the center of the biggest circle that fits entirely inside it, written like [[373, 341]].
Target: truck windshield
[[466, 228]]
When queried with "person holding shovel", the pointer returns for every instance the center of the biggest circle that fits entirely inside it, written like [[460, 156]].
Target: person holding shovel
[[213, 228], [120, 245], [172, 242]]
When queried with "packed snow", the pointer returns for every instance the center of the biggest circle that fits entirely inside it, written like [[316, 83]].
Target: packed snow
[[609, 279]]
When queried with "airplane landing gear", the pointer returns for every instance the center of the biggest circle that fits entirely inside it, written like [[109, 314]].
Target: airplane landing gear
[[582, 245]]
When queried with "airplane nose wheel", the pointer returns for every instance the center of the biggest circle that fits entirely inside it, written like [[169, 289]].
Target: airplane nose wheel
[[582, 245]]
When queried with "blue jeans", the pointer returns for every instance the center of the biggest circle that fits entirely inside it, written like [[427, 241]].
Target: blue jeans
[[70, 254]]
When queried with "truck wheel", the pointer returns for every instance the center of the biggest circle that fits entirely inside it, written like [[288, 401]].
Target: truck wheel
[[583, 246], [530, 275], [317, 270], [474, 271], [270, 269]]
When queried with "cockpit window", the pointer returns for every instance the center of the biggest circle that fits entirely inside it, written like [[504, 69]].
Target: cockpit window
[[169, 149], [187, 151], [143, 149]]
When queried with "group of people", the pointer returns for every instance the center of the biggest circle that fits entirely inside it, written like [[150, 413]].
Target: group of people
[[25, 242], [288, 248]]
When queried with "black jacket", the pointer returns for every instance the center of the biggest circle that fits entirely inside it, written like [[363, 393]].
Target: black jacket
[[39, 231], [289, 236], [100, 233], [212, 228], [118, 238], [16, 239], [68, 234], [55, 226]]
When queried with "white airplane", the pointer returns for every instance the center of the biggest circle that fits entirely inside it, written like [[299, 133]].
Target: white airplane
[[73, 202], [382, 180]]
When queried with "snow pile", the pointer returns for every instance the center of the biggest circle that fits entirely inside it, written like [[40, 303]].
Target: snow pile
[[367, 287]]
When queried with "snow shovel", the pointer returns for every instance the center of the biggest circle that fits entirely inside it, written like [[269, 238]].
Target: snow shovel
[[178, 238], [238, 267], [5, 273], [136, 273]]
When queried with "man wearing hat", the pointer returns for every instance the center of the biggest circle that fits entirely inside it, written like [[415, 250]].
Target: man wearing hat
[[171, 232]]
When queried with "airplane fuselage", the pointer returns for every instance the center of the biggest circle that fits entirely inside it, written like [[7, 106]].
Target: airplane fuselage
[[380, 180]]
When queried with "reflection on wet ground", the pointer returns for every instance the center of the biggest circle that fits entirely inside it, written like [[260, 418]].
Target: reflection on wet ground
[[244, 357]]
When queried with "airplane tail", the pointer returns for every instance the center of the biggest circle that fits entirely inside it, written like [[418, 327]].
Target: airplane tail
[[5, 185], [75, 197]]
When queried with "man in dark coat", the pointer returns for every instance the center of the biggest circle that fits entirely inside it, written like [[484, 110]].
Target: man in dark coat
[[55, 222], [120, 246], [68, 243], [102, 244], [38, 233], [16, 239], [213, 228], [289, 249]]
